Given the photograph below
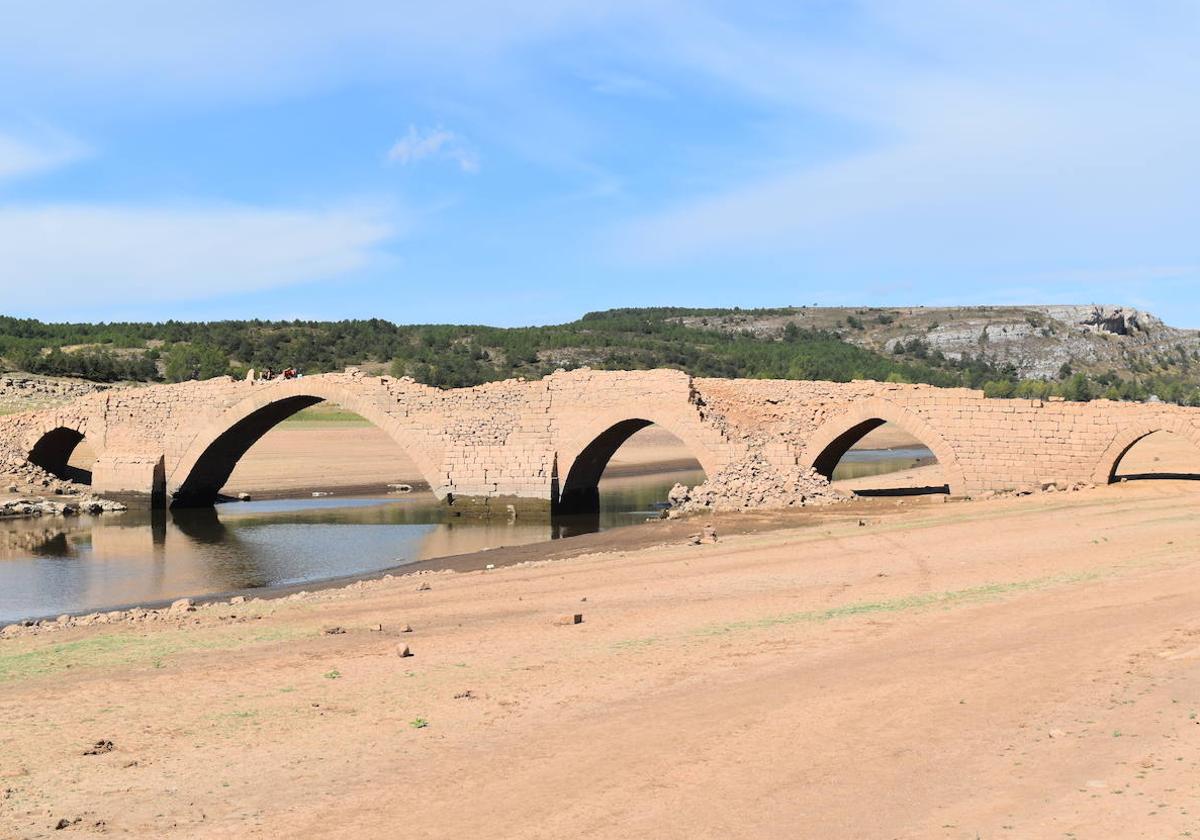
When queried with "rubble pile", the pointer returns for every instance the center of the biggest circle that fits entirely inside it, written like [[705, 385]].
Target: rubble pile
[[29, 393], [755, 483], [16, 471], [51, 507]]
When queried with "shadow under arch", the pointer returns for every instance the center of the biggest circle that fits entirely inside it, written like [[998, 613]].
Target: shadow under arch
[[829, 444], [52, 452], [1107, 467], [579, 492], [197, 479]]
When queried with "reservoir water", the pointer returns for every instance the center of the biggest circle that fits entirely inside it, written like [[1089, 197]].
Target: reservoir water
[[54, 565], [861, 463]]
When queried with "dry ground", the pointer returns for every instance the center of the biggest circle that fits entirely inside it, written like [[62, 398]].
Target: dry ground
[[1022, 668]]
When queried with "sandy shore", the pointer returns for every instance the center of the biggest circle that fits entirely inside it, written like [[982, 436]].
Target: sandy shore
[[1017, 668]]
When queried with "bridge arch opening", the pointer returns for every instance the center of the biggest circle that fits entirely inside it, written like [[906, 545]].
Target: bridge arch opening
[[876, 426], [64, 452], [1158, 455], [298, 445], [631, 460], [874, 457]]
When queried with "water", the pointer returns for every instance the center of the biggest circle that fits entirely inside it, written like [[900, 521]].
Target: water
[[861, 463], [50, 566]]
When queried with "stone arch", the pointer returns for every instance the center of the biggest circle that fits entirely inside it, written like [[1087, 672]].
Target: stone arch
[[52, 445], [834, 439], [580, 462], [1126, 438], [215, 450]]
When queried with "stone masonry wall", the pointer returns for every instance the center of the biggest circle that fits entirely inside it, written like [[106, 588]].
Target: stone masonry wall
[[518, 439]]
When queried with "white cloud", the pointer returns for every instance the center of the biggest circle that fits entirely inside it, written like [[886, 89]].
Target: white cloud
[[420, 144], [984, 134], [113, 255], [25, 156]]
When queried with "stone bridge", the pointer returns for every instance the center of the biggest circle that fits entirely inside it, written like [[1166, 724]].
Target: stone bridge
[[545, 443]]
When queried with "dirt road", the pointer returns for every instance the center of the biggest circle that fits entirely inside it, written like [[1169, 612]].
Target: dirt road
[[1023, 668]]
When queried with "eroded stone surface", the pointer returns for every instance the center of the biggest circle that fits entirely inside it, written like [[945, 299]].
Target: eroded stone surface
[[762, 443]]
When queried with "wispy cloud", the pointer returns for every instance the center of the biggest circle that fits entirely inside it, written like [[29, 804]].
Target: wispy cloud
[[628, 84], [99, 254], [433, 143], [1083, 145], [41, 152]]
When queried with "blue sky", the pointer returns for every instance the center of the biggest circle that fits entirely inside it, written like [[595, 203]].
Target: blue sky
[[523, 163]]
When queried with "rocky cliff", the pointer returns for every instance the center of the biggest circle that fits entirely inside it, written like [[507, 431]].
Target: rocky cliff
[[1036, 340]]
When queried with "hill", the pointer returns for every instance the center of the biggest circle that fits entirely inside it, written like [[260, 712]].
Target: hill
[[1075, 351]]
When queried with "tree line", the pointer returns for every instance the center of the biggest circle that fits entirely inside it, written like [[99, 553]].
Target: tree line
[[451, 356]]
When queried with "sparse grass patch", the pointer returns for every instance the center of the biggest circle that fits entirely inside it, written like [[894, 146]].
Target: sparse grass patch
[[950, 599], [120, 649], [327, 414]]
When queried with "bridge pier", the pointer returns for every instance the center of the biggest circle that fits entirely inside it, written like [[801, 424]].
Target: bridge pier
[[138, 480], [499, 507]]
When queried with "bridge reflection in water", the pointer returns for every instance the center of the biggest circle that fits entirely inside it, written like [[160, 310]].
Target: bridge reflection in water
[[51, 566]]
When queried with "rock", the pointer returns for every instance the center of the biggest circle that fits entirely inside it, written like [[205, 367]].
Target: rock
[[710, 533], [424, 587], [694, 539], [243, 497], [755, 482], [334, 631], [402, 650], [400, 488], [406, 629], [61, 824], [238, 599], [100, 747], [183, 605], [569, 619]]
